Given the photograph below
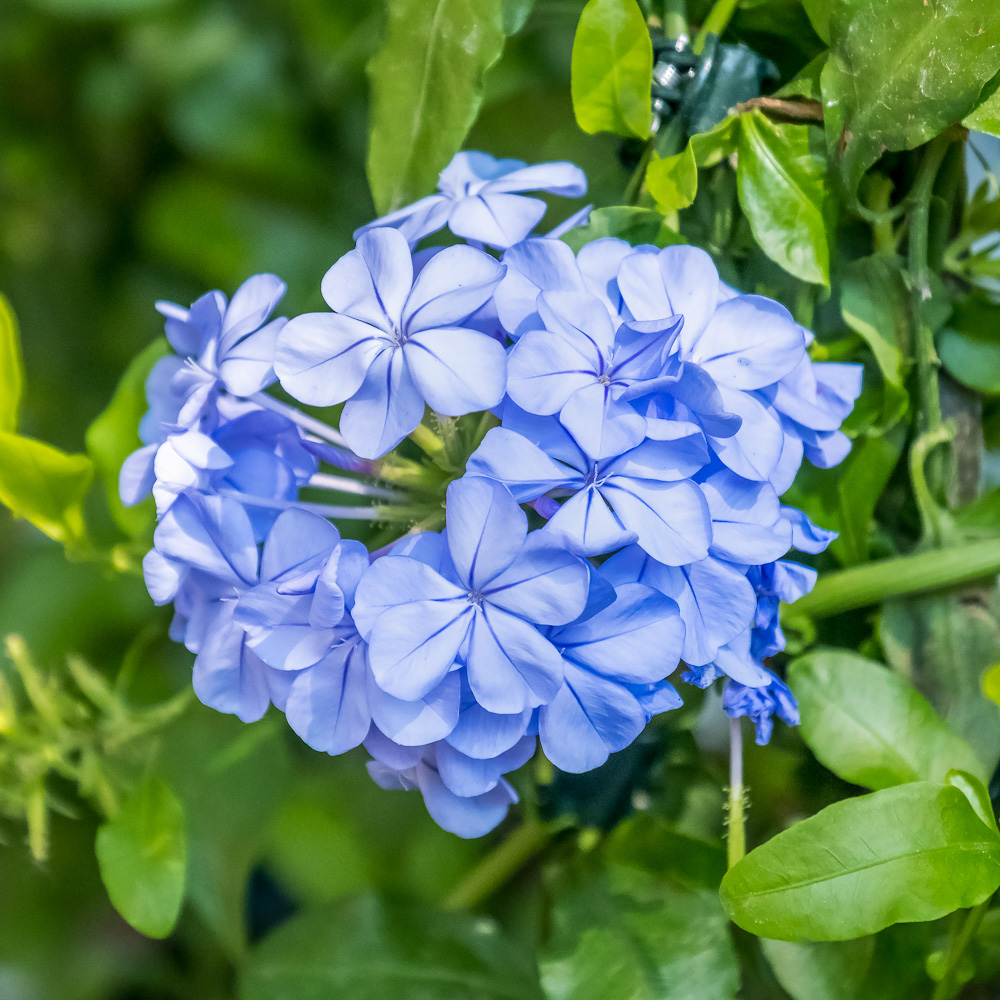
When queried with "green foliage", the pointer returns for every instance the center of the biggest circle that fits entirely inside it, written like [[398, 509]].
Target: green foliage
[[942, 55], [830, 970], [368, 949], [114, 435], [623, 222], [869, 726], [141, 852], [913, 852], [427, 87], [634, 929], [11, 368], [612, 68], [782, 187]]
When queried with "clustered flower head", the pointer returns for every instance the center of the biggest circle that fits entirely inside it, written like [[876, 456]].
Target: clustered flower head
[[618, 518]]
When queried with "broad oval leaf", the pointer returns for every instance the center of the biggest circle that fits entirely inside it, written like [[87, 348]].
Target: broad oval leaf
[[870, 726], [11, 368], [612, 69], [370, 949], [827, 970], [142, 855], [911, 853], [45, 486], [873, 302], [673, 180], [427, 87], [900, 72], [781, 179], [114, 435]]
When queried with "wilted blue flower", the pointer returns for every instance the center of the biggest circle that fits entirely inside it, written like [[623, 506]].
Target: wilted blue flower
[[478, 200], [482, 607], [391, 344], [761, 704]]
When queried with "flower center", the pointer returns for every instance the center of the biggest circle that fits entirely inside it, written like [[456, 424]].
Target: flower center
[[475, 598]]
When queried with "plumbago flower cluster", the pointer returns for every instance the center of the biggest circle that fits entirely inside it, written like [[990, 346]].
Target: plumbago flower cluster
[[619, 516]]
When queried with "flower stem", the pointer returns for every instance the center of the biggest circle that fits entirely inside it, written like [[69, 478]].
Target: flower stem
[[715, 24], [945, 988], [304, 421], [503, 863], [342, 484], [736, 840], [873, 582]]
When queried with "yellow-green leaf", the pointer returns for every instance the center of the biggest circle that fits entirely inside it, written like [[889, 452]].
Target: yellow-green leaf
[[11, 368], [673, 180]]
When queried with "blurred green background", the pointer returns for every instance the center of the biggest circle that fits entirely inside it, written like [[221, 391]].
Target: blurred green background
[[154, 149]]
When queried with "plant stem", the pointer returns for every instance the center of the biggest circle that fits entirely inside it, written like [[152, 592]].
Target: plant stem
[[715, 24], [503, 863], [945, 988], [736, 840], [873, 582]]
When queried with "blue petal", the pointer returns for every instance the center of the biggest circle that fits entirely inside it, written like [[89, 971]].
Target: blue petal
[[482, 734], [414, 645], [486, 529], [533, 266], [417, 723], [452, 285], [247, 366], [229, 677], [249, 308], [465, 817], [519, 464], [546, 369], [559, 177], [135, 481], [753, 451], [498, 220], [323, 359], [415, 221], [806, 537], [468, 776], [328, 704], [746, 523], [298, 542], [588, 525]]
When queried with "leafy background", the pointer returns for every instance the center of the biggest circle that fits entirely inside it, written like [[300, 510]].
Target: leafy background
[[155, 148]]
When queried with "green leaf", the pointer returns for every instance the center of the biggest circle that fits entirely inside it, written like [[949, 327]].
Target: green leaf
[[45, 486], [869, 726], [612, 69], [673, 180], [212, 761], [781, 179], [968, 346], [900, 72], [369, 949], [114, 435], [717, 143], [986, 117], [633, 931], [875, 305], [991, 683], [910, 853], [634, 225], [427, 87], [976, 792], [819, 15], [11, 368], [943, 642], [829, 970], [142, 856], [515, 15]]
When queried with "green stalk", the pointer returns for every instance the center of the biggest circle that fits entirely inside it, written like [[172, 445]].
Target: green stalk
[[502, 864], [675, 19], [736, 837], [715, 24], [946, 987], [861, 586]]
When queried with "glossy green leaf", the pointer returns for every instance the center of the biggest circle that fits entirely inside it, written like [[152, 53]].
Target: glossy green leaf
[[624, 222], [827, 970], [427, 87], [975, 790], [910, 853], [943, 642], [900, 72], [369, 949], [673, 180], [819, 16], [869, 726], [645, 926], [991, 683], [717, 143], [114, 435], [968, 346], [142, 855], [781, 179], [874, 304], [986, 117], [612, 69], [11, 368], [45, 486]]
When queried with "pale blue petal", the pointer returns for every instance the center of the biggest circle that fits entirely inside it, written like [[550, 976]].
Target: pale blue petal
[[588, 525], [486, 529], [468, 776], [451, 286], [457, 371], [519, 464], [464, 817], [498, 220], [417, 723], [393, 580]]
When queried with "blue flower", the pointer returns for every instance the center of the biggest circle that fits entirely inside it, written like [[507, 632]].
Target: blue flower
[[640, 495], [582, 368], [478, 200], [480, 609], [391, 344], [760, 704], [614, 659]]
